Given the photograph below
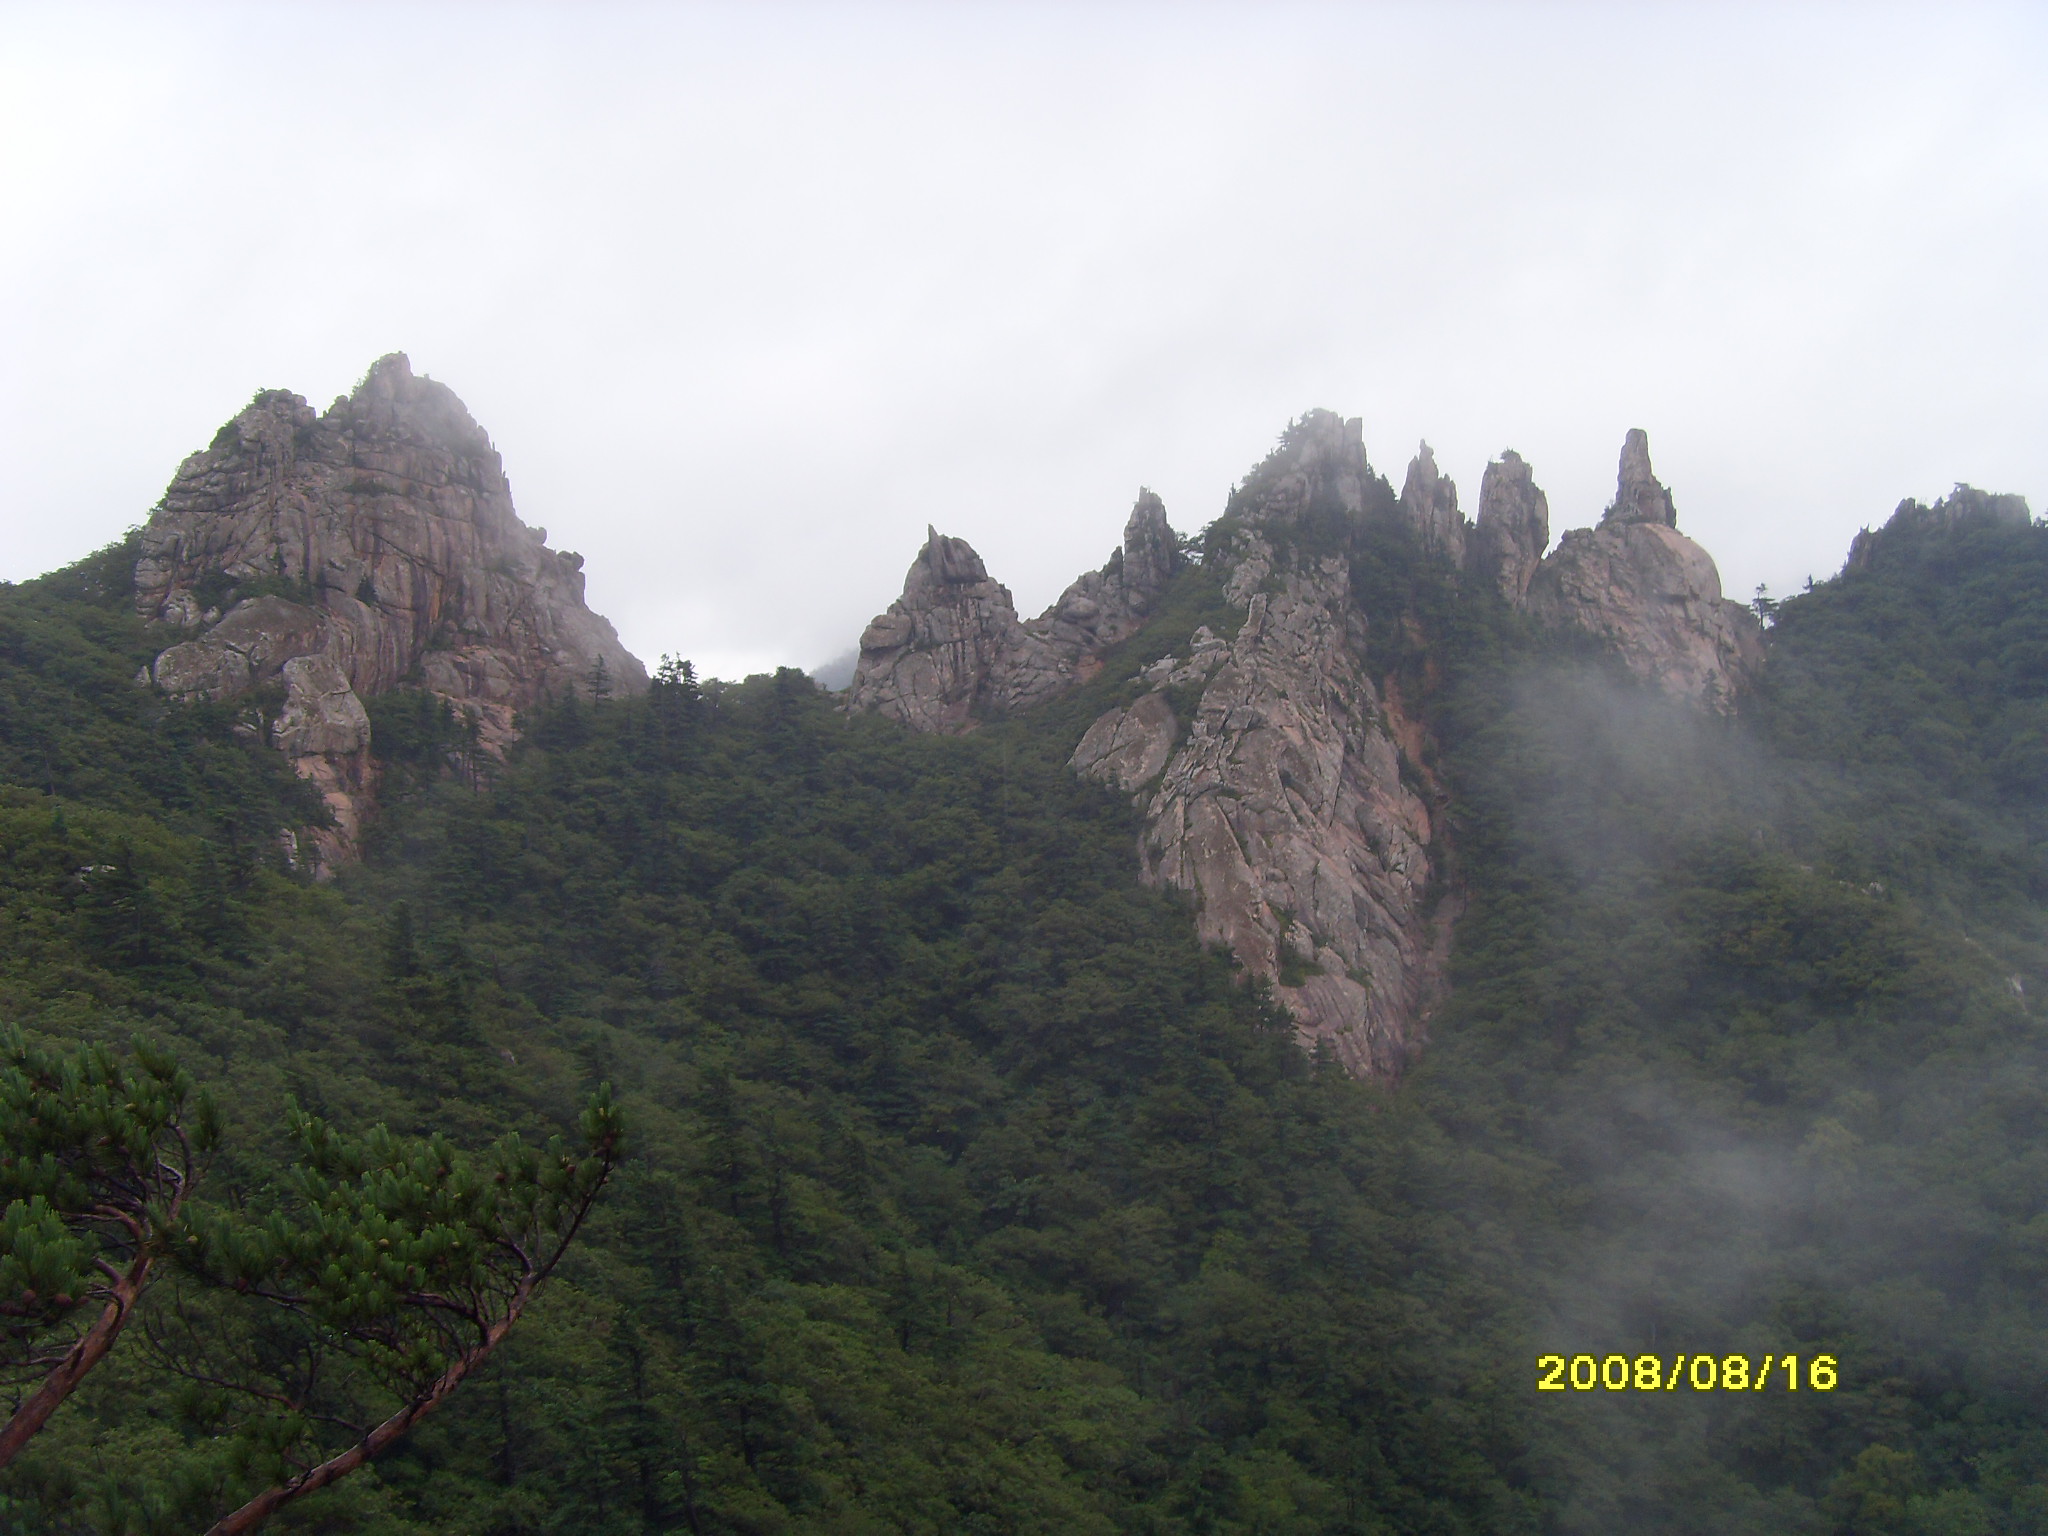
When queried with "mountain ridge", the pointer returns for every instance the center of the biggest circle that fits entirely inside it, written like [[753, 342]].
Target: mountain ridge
[[972, 1191], [1292, 794]]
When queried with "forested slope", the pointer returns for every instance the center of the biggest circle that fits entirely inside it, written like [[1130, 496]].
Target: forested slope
[[969, 1194]]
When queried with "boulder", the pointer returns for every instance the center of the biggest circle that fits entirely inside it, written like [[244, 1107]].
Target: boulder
[[1128, 747]]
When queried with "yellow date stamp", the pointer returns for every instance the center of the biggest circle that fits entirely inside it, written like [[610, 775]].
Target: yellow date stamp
[[1695, 1373]]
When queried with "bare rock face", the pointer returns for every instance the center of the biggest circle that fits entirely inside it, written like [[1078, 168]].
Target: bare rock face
[[944, 648], [383, 550], [1106, 607], [1129, 747], [1639, 497], [1651, 593], [1430, 500], [1296, 802], [1513, 527], [951, 651], [1285, 812]]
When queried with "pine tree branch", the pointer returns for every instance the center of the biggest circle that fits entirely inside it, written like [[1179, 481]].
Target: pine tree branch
[[90, 1349]]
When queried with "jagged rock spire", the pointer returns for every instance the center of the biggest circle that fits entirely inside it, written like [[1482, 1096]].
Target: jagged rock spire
[[1513, 528], [1639, 497], [951, 652], [1431, 501], [1151, 552], [1651, 593], [945, 562]]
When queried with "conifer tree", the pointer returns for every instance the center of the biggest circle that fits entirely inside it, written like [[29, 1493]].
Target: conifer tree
[[390, 1271], [96, 1163]]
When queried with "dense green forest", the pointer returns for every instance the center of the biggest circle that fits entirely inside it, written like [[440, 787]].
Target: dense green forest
[[967, 1193]]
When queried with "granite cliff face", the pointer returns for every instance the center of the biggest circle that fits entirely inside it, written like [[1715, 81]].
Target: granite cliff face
[[1285, 788], [345, 554], [951, 651], [1289, 808], [1512, 530], [1651, 593]]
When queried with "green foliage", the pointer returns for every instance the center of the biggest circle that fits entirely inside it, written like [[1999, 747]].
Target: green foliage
[[386, 1269], [74, 724], [1914, 688], [1730, 1077], [418, 738], [95, 1159], [969, 1193], [45, 1268]]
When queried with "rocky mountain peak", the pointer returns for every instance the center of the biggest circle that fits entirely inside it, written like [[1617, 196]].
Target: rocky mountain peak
[[1639, 497], [1286, 803], [1513, 527], [951, 651], [945, 562], [1649, 592], [1319, 466], [1962, 507], [1151, 553], [1286, 788], [346, 553], [1430, 500]]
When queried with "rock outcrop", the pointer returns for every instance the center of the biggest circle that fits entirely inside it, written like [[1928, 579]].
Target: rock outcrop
[[344, 554], [1287, 810], [1430, 500], [951, 651], [1512, 530], [1639, 496], [1649, 592], [1287, 789]]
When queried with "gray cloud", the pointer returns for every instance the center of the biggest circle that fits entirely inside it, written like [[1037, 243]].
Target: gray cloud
[[747, 296]]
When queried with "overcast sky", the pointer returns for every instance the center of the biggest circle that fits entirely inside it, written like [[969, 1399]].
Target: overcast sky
[[748, 295]]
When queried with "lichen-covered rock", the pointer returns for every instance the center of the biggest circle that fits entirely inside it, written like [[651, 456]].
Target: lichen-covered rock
[[380, 537], [951, 651], [1512, 530]]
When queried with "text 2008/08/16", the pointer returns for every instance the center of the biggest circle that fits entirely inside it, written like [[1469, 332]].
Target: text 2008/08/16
[[1699, 1373]]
